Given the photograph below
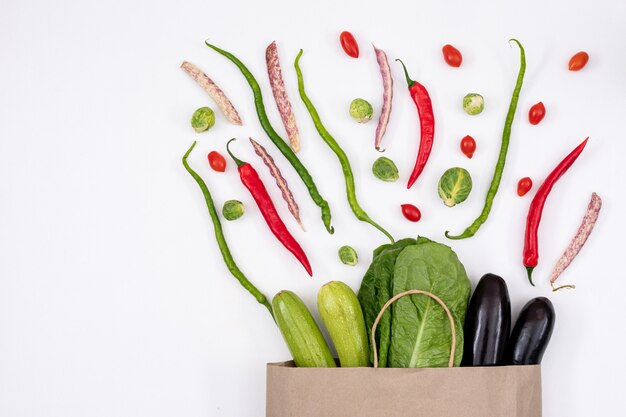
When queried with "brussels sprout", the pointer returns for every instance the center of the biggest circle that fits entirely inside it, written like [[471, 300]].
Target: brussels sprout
[[233, 209], [361, 110], [473, 104], [385, 169], [455, 186], [348, 255], [203, 119]]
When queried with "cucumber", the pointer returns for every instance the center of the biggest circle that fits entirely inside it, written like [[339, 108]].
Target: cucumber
[[343, 318], [302, 335]]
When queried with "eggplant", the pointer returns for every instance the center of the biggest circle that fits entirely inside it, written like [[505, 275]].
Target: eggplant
[[487, 323], [532, 332]]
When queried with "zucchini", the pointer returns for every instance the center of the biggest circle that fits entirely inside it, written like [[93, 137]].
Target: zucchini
[[301, 333], [342, 315]]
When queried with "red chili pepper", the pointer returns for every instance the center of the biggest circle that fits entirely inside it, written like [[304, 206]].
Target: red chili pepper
[[536, 113], [468, 146], [523, 186], [452, 56], [217, 161], [420, 97], [578, 61], [411, 213], [250, 179], [531, 241], [349, 45]]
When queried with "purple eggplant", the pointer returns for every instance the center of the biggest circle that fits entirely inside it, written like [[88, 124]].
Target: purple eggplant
[[487, 323], [531, 333]]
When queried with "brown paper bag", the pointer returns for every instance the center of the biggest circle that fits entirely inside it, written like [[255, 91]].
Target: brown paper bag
[[500, 391]]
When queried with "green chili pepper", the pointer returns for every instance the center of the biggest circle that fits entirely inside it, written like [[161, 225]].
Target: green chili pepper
[[221, 241], [278, 141], [506, 135], [341, 155]]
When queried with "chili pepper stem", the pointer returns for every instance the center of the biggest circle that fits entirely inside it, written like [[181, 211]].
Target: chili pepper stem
[[239, 162], [409, 81], [529, 270], [568, 286]]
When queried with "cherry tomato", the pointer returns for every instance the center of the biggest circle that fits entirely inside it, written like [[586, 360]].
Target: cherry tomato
[[578, 61], [217, 161], [411, 213], [349, 45], [536, 113], [523, 186], [468, 146], [452, 56]]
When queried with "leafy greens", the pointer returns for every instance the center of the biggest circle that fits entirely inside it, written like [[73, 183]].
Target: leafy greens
[[415, 332]]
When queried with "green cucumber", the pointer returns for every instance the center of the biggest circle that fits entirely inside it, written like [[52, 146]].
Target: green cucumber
[[302, 335], [343, 318]]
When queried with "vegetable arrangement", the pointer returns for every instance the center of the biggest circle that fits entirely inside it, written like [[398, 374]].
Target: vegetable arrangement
[[385, 169], [578, 61], [413, 308], [347, 255], [202, 119], [421, 98], [232, 210], [251, 180], [577, 243], [217, 161], [506, 136], [415, 333], [383, 120], [452, 56], [473, 104], [349, 45], [487, 323], [531, 239], [279, 91], [301, 333], [277, 140], [455, 186], [536, 113], [468, 146], [214, 91], [411, 213], [361, 110], [523, 186], [341, 155], [281, 182], [221, 240]]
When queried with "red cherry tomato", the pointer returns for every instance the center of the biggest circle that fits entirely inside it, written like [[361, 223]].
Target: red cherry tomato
[[411, 213], [523, 186], [578, 61], [536, 113], [452, 56], [349, 45], [468, 146], [217, 161]]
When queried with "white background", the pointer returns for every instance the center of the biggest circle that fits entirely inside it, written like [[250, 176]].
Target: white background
[[114, 300]]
